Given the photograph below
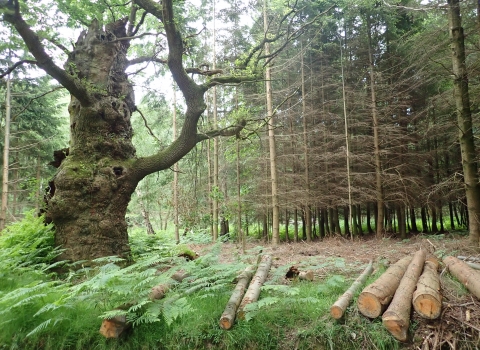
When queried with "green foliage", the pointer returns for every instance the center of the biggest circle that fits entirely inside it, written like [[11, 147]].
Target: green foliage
[[28, 242]]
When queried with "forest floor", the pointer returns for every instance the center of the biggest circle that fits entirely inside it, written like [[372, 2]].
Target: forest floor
[[460, 319]]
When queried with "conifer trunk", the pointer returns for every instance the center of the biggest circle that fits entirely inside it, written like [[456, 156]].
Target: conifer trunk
[[464, 120]]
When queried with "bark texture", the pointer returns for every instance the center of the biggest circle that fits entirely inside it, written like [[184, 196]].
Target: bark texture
[[427, 300], [464, 120], [253, 291], [468, 276], [228, 317], [397, 317], [338, 308], [374, 299], [89, 195]]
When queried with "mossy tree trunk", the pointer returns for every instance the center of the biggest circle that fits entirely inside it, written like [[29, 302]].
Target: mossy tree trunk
[[88, 197]]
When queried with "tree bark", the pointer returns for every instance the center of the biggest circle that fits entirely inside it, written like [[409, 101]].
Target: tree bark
[[427, 300], [464, 120], [271, 137], [397, 317], [380, 230], [338, 308], [176, 211], [464, 273], [374, 299], [228, 317], [253, 291]]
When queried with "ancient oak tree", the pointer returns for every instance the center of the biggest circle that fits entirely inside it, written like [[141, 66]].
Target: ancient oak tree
[[99, 171]]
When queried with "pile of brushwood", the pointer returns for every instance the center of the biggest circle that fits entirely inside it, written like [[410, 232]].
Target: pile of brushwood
[[411, 281]]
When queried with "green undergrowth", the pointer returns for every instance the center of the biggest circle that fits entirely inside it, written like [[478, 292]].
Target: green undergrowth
[[42, 307]]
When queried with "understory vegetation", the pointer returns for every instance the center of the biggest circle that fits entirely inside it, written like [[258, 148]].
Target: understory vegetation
[[56, 305]]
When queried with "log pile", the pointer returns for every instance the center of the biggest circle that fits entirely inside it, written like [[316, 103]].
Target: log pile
[[410, 282]]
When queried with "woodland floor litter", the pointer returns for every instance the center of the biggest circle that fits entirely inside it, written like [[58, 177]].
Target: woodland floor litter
[[460, 318]]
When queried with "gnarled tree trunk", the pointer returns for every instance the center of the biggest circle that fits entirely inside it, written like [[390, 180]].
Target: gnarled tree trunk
[[88, 197]]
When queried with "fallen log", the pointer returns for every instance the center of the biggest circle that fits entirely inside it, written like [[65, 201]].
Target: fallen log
[[228, 317], [427, 300], [374, 299], [397, 317], [338, 308], [253, 291], [115, 326], [465, 274]]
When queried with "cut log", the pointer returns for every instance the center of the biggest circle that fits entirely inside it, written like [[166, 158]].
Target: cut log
[[427, 300], [116, 326], [338, 308], [228, 317], [374, 299], [397, 317], [465, 274], [253, 291]]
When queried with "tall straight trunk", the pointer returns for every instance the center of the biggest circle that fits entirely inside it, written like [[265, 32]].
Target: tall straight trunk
[[440, 219], [303, 226], [327, 224], [241, 236], [216, 188], [359, 219], [464, 120], [38, 178], [287, 222], [16, 180], [6, 150], [321, 222], [271, 137], [338, 231], [380, 230], [308, 213], [402, 226], [175, 172], [434, 219], [354, 220], [351, 211], [346, 218], [424, 220], [295, 225], [413, 220], [332, 221], [146, 219], [265, 227], [450, 210]]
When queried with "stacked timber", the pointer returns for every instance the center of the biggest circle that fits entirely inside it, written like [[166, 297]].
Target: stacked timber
[[410, 282]]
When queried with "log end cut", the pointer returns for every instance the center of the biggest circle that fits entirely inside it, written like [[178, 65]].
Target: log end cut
[[114, 327], [397, 327], [226, 323], [427, 306], [336, 312], [369, 305]]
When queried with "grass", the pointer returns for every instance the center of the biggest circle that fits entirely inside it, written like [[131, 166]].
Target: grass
[[40, 309]]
